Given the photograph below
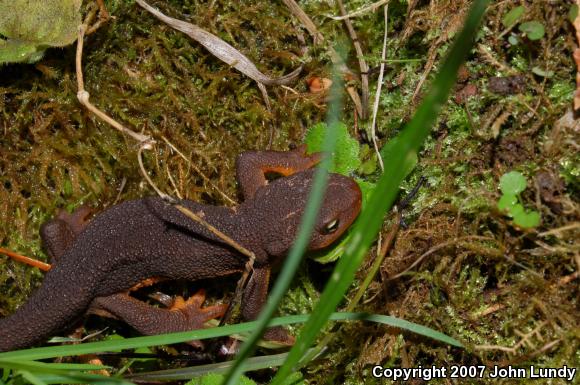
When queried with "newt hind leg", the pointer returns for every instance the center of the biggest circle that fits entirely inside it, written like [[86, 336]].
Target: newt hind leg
[[253, 166], [182, 315]]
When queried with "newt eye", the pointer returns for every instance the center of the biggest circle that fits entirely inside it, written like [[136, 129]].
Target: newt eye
[[330, 227]]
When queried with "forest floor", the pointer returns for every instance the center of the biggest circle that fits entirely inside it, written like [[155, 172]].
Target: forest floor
[[460, 266]]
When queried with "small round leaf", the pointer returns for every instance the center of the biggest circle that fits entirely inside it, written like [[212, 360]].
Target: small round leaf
[[516, 210], [513, 39], [512, 183], [534, 30], [528, 219], [507, 202]]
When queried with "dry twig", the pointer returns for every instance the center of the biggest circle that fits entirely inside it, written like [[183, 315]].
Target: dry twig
[[334, 56], [361, 11], [364, 68], [83, 97], [378, 92]]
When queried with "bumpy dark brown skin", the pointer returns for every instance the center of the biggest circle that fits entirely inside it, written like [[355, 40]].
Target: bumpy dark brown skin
[[95, 264]]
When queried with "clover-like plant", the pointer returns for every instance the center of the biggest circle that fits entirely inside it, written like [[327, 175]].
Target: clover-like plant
[[512, 184]]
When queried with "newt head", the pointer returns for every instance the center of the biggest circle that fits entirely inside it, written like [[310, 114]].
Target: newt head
[[340, 207], [282, 202]]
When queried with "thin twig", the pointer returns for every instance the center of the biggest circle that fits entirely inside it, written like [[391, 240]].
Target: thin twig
[[26, 260], [204, 177], [437, 248], [172, 181], [83, 97], [103, 17], [188, 213], [248, 268], [360, 11], [148, 179], [318, 39], [559, 230], [364, 68], [378, 93]]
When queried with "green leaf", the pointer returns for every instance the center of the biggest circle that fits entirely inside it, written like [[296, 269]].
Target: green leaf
[[78, 378], [534, 30], [513, 39], [507, 202], [515, 210], [12, 51], [29, 27], [573, 13], [346, 153], [528, 219], [512, 16], [512, 183], [171, 338], [540, 72]]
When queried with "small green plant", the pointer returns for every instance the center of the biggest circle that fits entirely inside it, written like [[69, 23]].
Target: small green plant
[[512, 184], [533, 30], [512, 17], [346, 155]]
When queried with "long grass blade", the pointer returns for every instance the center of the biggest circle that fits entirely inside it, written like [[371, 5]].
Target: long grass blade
[[410, 141], [306, 226], [139, 342]]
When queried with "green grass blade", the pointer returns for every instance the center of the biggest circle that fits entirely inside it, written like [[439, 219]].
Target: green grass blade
[[263, 362], [252, 363], [80, 378], [411, 139], [47, 367], [304, 233], [24, 356], [32, 378]]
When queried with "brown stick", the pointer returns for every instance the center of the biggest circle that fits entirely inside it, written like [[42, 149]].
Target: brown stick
[[364, 68], [26, 260]]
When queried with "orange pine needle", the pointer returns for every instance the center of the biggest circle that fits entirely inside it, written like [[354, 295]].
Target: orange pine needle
[[29, 261]]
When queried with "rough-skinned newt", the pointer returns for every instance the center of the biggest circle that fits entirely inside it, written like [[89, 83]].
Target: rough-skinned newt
[[95, 263]]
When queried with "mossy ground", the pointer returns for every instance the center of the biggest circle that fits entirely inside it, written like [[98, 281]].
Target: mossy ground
[[484, 281]]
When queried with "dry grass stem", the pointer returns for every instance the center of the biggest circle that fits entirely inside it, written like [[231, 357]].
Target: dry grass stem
[[378, 92], [364, 68], [361, 11]]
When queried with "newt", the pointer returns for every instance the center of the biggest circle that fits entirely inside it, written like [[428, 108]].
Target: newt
[[96, 262]]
